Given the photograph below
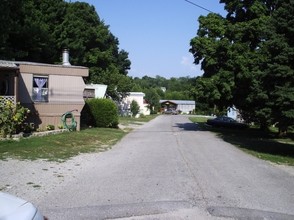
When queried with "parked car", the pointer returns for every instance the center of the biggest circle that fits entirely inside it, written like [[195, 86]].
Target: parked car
[[170, 112], [227, 122], [12, 208]]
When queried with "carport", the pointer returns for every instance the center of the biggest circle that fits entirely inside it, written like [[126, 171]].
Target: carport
[[184, 106], [168, 105]]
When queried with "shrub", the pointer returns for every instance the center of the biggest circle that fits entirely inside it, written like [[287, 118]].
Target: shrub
[[11, 118], [135, 108], [50, 127], [28, 127], [100, 113]]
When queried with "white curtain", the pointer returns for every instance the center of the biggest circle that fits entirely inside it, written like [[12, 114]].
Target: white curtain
[[40, 83]]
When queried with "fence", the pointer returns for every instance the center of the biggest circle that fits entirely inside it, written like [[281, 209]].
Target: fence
[[4, 99]]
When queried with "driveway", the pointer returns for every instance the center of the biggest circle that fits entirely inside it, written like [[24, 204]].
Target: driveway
[[169, 169]]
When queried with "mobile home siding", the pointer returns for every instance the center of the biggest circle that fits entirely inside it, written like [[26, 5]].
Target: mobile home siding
[[25, 88], [65, 89], [52, 113], [65, 92], [53, 69]]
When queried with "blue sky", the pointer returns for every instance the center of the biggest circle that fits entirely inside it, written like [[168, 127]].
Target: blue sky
[[156, 33]]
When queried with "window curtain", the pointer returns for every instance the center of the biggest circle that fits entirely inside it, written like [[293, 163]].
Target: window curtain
[[40, 83]]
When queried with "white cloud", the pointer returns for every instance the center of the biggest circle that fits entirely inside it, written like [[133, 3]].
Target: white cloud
[[187, 61], [187, 64]]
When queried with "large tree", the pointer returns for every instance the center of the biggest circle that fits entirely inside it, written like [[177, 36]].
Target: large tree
[[93, 45], [249, 56], [213, 50], [279, 70], [37, 31], [152, 99], [25, 33]]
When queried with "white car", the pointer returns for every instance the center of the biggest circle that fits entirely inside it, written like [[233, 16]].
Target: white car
[[14, 208]]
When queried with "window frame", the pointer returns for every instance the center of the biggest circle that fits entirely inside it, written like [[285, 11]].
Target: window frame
[[44, 96]]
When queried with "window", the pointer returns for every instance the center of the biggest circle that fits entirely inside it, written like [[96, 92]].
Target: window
[[40, 89]]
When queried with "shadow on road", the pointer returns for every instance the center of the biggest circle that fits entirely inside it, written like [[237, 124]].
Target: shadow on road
[[264, 145], [188, 126]]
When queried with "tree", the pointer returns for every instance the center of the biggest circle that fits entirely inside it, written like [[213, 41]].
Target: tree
[[207, 95], [152, 99], [26, 34], [264, 30], [136, 88], [173, 88], [124, 64], [249, 58], [119, 85], [212, 48], [9, 24], [279, 71], [247, 30], [39, 30]]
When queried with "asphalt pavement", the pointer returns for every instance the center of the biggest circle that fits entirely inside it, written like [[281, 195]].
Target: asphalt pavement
[[170, 169]]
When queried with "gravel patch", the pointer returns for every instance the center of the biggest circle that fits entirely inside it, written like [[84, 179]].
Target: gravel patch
[[34, 180]]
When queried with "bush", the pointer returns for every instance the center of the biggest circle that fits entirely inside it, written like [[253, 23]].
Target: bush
[[28, 127], [135, 108], [11, 118], [142, 116], [50, 127], [100, 113]]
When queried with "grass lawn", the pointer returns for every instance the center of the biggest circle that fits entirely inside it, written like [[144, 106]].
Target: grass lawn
[[264, 145], [62, 146], [130, 120]]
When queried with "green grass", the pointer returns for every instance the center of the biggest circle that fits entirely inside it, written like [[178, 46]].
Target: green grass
[[199, 119], [264, 145], [140, 120], [60, 147]]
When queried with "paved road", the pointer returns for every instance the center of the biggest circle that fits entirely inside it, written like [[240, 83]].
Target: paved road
[[169, 169]]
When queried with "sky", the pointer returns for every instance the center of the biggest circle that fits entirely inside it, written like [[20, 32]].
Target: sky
[[156, 33]]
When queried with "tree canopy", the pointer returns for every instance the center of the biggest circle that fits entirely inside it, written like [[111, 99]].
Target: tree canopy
[[37, 31], [247, 59], [156, 88], [173, 88]]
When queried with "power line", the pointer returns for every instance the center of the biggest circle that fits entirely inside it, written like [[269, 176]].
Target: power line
[[199, 6]]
